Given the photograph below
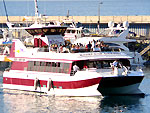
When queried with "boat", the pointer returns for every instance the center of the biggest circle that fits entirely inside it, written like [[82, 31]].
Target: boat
[[50, 67], [116, 38], [43, 68], [74, 31]]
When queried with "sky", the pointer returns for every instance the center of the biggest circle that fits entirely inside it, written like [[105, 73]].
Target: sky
[[51, 0]]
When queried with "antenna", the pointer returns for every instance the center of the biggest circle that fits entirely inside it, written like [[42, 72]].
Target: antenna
[[68, 14], [6, 11]]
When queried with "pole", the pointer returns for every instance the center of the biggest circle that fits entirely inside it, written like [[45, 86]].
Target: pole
[[98, 22], [6, 11], [36, 11]]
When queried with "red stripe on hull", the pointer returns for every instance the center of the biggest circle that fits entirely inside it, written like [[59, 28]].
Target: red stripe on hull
[[58, 84]]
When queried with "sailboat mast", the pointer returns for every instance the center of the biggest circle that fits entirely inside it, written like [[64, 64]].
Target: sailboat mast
[[36, 11]]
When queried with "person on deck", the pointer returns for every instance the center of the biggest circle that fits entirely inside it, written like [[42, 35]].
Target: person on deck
[[75, 68], [114, 64]]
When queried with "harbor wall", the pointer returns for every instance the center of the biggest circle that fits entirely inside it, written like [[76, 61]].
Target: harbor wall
[[138, 24], [82, 19]]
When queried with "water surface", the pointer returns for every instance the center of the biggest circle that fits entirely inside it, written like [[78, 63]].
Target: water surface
[[25, 102]]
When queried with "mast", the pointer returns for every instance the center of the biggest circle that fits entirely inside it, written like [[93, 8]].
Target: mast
[[6, 11], [36, 11]]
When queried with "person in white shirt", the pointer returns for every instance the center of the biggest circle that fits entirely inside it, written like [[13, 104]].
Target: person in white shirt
[[75, 68], [115, 63]]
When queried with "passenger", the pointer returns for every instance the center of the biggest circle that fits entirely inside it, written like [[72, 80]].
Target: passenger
[[60, 48], [75, 68], [115, 63], [73, 48], [93, 43], [98, 42], [85, 66], [96, 49], [89, 45]]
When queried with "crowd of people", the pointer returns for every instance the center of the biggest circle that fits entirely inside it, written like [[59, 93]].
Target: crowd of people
[[95, 46]]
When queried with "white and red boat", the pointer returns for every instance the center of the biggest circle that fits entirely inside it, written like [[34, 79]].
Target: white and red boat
[[41, 69]]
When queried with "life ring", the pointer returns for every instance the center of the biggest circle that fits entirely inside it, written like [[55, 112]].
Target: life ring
[[49, 84], [36, 82]]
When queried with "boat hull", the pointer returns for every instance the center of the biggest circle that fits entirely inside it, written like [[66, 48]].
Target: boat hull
[[121, 85], [59, 86]]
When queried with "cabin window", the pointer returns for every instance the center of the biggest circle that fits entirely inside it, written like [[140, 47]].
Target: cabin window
[[66, 67], [56, 67], [53, 30], [48, 67], [60, 67], [79, 32], [42, 66], [60, 30], [45, 30], [63, 30], [68, 31], [30, 65], [36, 63], [36, 66], [73, 31]]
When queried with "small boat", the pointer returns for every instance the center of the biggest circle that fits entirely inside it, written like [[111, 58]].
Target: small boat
[[44, 69]]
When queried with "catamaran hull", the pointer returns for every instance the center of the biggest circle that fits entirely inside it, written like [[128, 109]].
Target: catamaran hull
[[123, 85], [72, 85]]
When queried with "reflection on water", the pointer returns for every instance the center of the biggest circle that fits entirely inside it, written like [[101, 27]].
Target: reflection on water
[[121, 104], [12, 101], [31, 102], [17, 102]]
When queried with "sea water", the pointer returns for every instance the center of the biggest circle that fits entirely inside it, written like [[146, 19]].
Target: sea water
[[76, 7], [26, 102]]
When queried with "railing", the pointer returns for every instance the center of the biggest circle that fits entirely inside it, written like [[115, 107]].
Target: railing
[[145, 50]]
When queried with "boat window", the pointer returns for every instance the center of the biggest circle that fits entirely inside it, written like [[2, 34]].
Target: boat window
[[53, 30], [45, 30], [112, 44], [42, 66], [95, 64], [36, 63], [66, 67], [79, 32], [60, 67], [54, 67], [48, 67], [68, 31], [73, 31], [116, 49], [48, 63], [30, 65], [42, 63], [57, 67]]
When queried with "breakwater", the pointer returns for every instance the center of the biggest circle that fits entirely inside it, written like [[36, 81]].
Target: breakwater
[[82, 19], [138, 24]]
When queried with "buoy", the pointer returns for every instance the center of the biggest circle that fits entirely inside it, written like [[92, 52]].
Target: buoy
[[49, 84], [36, 83]]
